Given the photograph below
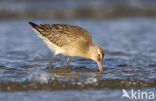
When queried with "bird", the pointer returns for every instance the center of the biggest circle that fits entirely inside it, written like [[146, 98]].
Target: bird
[[69, 40]]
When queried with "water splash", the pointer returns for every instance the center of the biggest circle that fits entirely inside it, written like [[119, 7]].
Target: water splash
[[39, 76]]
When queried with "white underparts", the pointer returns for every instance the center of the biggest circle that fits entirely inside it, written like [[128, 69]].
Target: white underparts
[[53, 47]]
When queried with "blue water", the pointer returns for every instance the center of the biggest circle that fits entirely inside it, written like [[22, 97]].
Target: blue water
[[129, 62]]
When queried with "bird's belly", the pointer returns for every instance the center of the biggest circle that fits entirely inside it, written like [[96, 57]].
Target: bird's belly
[[70, 51], [53, 47]]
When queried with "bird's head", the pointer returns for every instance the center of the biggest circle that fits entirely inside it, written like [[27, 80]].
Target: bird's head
[[97, 54]]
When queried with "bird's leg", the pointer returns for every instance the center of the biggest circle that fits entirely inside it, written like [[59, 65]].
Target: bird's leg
[[67, 61], [51, 61]]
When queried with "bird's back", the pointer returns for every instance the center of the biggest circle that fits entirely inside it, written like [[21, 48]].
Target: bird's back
[[64, 35], [61, 34]]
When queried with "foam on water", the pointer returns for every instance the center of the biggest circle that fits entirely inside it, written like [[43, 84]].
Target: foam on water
[[39, 76]]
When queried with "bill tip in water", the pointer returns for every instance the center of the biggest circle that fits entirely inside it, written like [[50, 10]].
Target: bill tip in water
[[100, 67]]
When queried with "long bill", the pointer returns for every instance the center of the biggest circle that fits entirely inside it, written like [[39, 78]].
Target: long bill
[[100, 66]]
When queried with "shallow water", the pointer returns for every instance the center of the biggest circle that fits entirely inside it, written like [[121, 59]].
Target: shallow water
[[129, 62]]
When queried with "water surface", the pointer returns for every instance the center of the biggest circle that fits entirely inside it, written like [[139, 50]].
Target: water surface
[[129, 62]]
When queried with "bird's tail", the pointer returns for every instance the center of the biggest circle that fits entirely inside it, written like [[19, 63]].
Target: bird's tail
[[36, 28], [33, 25]]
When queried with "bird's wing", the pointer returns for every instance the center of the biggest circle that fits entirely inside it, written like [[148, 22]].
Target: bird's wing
[[62, 34]]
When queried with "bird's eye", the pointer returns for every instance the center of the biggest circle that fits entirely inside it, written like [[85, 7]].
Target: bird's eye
[[99, 55]]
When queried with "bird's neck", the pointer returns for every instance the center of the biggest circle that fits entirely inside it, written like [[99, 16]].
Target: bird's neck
[[90, 52]]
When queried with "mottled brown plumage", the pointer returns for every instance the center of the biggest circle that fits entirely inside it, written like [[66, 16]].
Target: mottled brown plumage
[[68, 40], [63, 34]]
